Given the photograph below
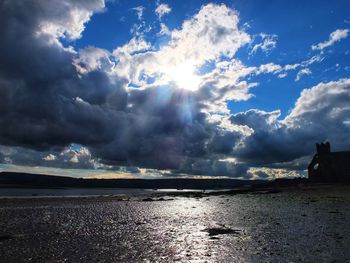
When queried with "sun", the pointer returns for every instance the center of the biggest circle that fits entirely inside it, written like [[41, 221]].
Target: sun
[[184, 76]]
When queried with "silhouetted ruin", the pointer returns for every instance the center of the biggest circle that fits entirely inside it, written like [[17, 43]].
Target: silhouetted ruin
[[327, 166]]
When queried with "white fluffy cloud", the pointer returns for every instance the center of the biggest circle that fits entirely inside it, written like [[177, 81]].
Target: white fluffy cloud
[[132, 47], [210, 34], [303, 72], [68, 18], [328, 99], [334, 37], [271, 173], [162, 9], [50, 157], [91, 59]]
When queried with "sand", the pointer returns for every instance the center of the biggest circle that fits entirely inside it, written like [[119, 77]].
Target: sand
[[296, 225]]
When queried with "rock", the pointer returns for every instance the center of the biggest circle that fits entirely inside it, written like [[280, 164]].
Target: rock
[[214, 231], [148, 199]]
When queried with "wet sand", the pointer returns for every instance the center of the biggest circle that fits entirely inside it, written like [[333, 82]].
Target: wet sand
[[295, 225]]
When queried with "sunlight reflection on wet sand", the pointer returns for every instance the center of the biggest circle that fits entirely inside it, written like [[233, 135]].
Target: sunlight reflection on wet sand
[[242, 228]]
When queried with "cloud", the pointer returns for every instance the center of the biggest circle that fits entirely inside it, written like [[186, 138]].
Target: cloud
[[69, 157], [210, 35], [334, 37], [303, 64], [269, 68], [282, 75], [93, 59], [50, 157], [139, 11], [78, 173], [268, 43], [212, 32], [271, 173], [162, 9], [41, 89], [96, 109], [164, 30], [67, 19], [303, 72], [318, 115], [218, 168], [133, 46]]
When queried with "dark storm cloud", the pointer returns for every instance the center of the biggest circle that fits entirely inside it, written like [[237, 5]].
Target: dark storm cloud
[[161, 130], [215, 167], [42, 96], [320, 114], [271, 140], [28, 157], [45, 103]]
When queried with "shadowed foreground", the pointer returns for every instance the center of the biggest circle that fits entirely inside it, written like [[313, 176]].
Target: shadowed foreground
[[292, 226]]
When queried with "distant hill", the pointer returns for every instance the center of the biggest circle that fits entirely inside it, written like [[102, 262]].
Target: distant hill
[[11, 179]]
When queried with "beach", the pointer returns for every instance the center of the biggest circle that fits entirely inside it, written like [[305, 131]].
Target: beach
[[309, 224]]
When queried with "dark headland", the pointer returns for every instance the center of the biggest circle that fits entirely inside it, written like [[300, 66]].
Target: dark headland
[[27, 180]]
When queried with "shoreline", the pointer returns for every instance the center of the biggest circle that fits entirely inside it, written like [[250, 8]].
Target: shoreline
[[132, 193]]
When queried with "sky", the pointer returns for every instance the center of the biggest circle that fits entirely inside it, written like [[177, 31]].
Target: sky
[[161, 89]]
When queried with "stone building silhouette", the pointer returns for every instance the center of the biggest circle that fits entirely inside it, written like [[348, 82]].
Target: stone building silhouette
[[327, 166]]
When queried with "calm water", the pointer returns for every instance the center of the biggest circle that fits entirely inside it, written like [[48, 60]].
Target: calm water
[[76, 192], [72, 192], [283, 227]]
